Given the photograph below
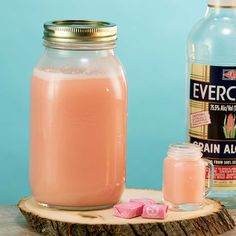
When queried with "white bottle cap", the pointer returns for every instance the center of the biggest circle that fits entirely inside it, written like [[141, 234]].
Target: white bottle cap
[[222, 3]]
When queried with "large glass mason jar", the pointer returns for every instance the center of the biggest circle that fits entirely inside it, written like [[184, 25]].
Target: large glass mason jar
[[78, 117]]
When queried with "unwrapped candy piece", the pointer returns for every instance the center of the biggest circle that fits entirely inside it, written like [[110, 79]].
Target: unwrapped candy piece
[[128, 210], [155, 211], [145, 201]]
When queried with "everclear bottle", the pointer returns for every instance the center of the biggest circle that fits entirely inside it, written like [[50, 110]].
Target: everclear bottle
[[212, 95]]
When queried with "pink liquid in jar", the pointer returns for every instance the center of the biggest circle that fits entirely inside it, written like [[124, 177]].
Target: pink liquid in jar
[[184, 177], [78, 139]]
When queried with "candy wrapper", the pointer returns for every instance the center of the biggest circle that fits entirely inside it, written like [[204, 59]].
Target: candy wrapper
[[155, 211], [145, 201], [128, 210]]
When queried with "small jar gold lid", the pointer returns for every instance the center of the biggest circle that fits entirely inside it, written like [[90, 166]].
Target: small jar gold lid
[[80, 31]]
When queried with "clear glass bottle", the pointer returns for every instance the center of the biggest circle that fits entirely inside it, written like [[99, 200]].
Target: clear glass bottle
[[78, 118], [212, 105]]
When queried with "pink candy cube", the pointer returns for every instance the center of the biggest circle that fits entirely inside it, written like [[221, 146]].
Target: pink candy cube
[[155, 211], [128, 210], [145, 201]]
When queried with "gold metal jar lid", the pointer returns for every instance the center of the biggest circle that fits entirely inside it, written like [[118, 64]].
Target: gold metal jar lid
[[80, 31]]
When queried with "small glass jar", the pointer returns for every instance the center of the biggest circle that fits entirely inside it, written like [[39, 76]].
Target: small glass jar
[[184, 186], [78, 118]]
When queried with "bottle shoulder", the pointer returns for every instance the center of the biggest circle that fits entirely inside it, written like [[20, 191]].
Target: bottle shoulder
[[212, 41], [213, 28]]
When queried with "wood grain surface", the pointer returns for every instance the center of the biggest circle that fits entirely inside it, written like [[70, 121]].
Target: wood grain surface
[[211, 220], [12, 223]]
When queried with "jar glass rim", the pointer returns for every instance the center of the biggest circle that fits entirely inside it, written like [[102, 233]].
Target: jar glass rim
[[187, 150]]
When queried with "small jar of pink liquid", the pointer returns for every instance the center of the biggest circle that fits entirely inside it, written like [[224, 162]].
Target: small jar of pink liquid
[[187, 177]]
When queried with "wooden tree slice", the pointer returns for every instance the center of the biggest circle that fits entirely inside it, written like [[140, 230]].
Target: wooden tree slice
[[212, 219]]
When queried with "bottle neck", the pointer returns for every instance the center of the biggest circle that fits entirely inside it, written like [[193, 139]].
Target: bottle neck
[[222, 8], [220, 12], [222, 3]]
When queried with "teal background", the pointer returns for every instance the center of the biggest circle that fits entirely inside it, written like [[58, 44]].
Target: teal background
[[151, 46]]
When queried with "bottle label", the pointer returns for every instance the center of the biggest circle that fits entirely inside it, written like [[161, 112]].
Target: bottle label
[[212, 118]]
